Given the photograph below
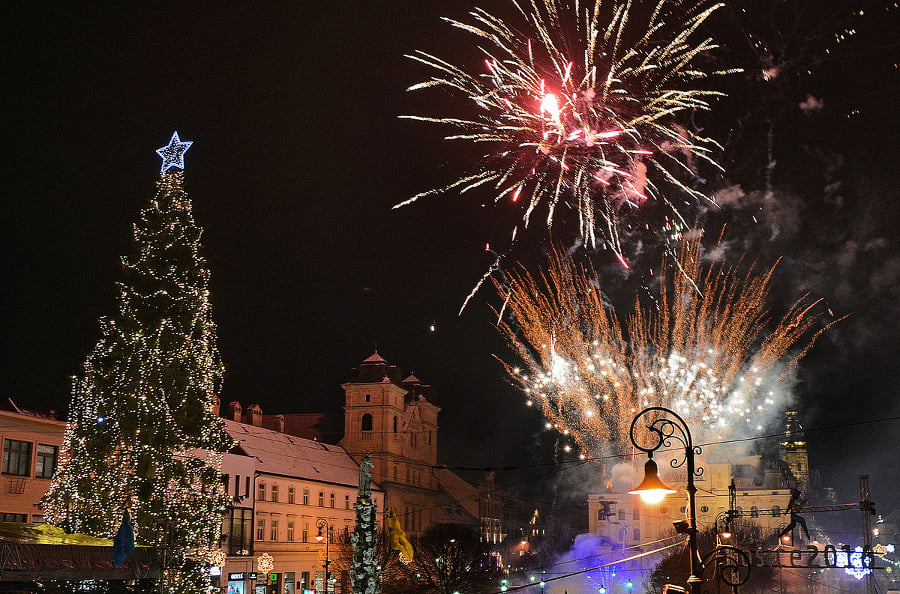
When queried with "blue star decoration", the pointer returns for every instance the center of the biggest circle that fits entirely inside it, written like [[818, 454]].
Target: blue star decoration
[[173, 154]]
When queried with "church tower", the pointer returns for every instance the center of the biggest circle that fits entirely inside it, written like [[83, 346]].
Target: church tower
[[396, 420], [793, 450]]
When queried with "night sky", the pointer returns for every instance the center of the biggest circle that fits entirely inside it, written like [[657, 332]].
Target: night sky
[[298, 156]]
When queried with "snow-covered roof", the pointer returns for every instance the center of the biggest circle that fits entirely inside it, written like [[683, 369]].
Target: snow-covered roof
[[459, 503], [292, 456]]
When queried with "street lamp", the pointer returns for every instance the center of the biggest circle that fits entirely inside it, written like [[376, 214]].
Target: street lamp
[[661, 431], [324, 533]]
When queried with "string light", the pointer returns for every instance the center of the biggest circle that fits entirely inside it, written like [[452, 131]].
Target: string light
[[141, 433]]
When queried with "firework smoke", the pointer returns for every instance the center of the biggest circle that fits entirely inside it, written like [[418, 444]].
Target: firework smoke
[[579, 105], [705, 347]]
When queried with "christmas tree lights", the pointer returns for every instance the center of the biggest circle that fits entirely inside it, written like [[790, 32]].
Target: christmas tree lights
[[141, 433]]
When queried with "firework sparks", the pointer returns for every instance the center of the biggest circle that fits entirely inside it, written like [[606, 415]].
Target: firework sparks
[[705, 348], [578, 103]]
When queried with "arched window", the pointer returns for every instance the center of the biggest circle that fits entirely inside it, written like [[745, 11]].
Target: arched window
[[366, 422], [754, 512], [636, 514]]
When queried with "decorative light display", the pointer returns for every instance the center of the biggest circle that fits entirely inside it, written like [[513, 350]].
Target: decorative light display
[[265, 563], [173, 153], [705, 347], [141, 434], [856, 563], [578, 105]]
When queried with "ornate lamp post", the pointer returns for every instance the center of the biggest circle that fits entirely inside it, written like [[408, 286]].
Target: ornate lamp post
[[324, 533], [655, 430]]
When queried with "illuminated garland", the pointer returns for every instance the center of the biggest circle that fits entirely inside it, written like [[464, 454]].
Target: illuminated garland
[[141, 432]]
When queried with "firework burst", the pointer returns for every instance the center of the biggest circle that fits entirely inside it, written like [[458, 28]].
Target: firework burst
[[706, 348], [579, 107]]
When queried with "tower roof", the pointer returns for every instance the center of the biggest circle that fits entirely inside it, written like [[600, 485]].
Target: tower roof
[[374, 358]]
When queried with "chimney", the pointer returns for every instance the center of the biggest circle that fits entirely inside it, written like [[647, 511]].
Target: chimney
[[254, 415], [234, 411]]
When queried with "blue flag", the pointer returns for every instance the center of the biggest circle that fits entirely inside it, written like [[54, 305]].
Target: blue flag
[[123, 545]]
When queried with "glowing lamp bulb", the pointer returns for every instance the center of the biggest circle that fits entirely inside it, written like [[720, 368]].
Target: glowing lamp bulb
[[653, 497]]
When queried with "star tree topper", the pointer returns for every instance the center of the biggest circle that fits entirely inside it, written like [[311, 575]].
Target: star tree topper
[[173, 154]]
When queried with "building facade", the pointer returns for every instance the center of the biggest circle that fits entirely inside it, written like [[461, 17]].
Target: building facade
[[31, 444]]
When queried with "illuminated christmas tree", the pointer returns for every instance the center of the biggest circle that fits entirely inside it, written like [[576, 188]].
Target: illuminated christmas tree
[[141, 432]]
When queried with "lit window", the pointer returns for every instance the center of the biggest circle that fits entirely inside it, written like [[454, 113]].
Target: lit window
[[46, 461], [16, 457]]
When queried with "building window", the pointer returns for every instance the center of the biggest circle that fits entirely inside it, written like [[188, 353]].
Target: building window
[[368, 398], [637, 534], [304, 580], [16, 457], [776, 511], [396, 472], [799, 466], [366, 424], [275, 493], [261, 492], [37, 518], [395, 424], [14, 517], [305, 535], [346, 502], [290, 534], [273, 531], [704, 509], [238, 530], [260, 529], [622, 514], [237, 485], [46, 461], [321, 498], [636, 514], [247, 486], [664, 510], [332, 500], [305, 496], [290, 494], [754, 512]]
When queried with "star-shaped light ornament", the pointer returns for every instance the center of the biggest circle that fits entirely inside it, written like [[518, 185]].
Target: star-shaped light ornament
[[173, 154]]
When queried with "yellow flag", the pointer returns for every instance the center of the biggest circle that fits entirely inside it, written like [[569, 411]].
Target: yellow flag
[[399, 542]]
